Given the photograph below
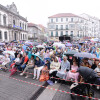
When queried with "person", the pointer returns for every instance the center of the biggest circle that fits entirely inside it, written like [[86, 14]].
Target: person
[[29, 53], [17, 60], [54, 66], [5, 62], [65, 67], [46, 55], [97, 70], [89, 75], [72, 74], [24, 62], [16, 53], [38, 67], [96, 62], [29, 65]]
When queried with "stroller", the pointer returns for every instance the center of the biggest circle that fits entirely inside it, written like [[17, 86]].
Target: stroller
[[81, 89]]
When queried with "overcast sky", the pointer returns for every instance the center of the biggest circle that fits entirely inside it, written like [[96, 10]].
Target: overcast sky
[[38, 11]]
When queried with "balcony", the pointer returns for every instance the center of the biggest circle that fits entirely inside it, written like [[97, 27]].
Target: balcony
[[18, 27]]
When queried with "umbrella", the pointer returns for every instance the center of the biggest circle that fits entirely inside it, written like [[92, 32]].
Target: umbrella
[[40, 46], [28, 42], [85, 55], [2, 43], [71, 53], [9, 52], [68, 44], [35, 43], [49, 48], [37, 56], [24, 47], [59, 44]]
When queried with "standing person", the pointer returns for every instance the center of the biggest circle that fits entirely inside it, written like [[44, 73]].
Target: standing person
[[65, 67], [38, 67], [89, 75]]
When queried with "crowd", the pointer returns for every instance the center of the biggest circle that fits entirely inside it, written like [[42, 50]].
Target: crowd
[[48, 60]]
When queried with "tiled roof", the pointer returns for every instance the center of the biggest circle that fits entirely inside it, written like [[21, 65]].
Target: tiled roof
[[64, 15], [31, 24]]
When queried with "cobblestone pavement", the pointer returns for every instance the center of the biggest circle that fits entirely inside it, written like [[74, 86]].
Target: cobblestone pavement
[[14, 90], [64, 96]]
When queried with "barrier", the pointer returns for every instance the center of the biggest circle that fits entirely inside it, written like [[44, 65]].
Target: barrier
[[58, 78], [49, 87]]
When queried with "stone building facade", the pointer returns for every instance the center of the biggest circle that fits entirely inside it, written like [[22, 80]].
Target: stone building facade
[[12, 25]]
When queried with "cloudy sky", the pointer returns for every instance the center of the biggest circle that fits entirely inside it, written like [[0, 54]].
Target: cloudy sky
[[38, 11]]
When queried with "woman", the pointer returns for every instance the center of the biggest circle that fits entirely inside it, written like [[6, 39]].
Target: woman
[[73, 74], [38, 67], [54, 66], [5, 62], [29, 65], [17, 60]]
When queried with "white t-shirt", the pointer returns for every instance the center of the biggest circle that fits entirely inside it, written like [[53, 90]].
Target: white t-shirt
[[17, 60]]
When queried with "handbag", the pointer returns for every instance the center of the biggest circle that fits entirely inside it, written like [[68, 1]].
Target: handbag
[[13, 70], [12, 65], [44, 75]]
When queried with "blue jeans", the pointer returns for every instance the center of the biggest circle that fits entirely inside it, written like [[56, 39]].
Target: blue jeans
[[23, 66]]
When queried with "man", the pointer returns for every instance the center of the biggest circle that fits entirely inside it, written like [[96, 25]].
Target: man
[[65, 66], [89, 75]]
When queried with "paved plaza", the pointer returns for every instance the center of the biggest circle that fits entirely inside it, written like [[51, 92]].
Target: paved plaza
[[11, 89]]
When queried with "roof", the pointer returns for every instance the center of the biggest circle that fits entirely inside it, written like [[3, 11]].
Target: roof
[[64, 15], [31, 24]]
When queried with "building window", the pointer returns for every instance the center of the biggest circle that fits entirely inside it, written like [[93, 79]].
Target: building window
[[23, 26], [20, 24], [23, 36], [4, 19], [66, 33], [71, 33], [72, 26], [0, 18], [71, 19], [56, 19], [13, 22], [66, 19], [61, 33], [56, 33], [52, 34], [61, 27], [61, 19], [66, 27], [56, 27], [0, 35], [51, 20], [5, 35]]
